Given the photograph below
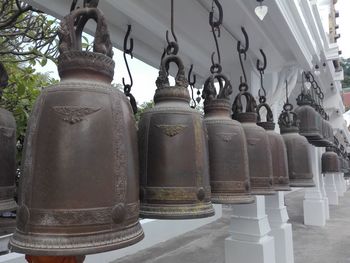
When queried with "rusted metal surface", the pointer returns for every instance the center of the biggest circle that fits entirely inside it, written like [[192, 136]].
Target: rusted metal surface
[[330, 162], [278, 151], [7, 152], [299, 162], [228, 156], [173, 152], [79, 190]]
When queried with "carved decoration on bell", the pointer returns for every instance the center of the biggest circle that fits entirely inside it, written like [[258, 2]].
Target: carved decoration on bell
[[7, 152], [79, 189], [299, 159]]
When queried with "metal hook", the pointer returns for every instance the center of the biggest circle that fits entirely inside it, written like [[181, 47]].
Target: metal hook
[[191, 82], [131, 48], [261, 68], [173, 47], [244, 49], [218, 23], [127, 87], [91, 3], [243, 56]]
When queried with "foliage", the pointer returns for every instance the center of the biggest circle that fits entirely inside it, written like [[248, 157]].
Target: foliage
[[19, 97], [345, 63], [26, 34], [142, 108]]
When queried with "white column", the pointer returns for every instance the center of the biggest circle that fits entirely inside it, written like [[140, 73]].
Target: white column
[[343, 183], [331, 189], [339, 183], [250, 240], [314, 204], [281, 230], [322, 185]]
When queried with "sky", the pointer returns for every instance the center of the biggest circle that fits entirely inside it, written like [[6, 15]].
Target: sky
[[144, 76]]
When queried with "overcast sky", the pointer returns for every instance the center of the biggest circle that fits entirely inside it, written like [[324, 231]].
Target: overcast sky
[[144, 75]]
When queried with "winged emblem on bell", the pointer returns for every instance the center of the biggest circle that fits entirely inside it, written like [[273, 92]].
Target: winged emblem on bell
[[171, 130], [74, 114]]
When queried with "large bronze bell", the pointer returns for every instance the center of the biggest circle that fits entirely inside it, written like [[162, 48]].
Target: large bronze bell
[[173, 153], [7, 152], [330, 162], [310, 121], [79, 184], [7, 161], [228, 157], [278, 150], [299, 162], [259, 152]]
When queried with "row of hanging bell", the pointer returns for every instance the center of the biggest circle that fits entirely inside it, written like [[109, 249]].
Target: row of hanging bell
[[79, 183], [313, 120], [7, 152], [299, 158]]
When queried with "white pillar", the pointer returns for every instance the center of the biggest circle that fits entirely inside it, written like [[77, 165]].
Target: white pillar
[[322, 185], [281, 230], [314, 203], [339, 184], [343, 183], [331, 189], [249, 240]]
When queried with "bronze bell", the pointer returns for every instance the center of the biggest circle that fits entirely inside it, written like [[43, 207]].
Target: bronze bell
[[278, 150], [228, 157], [330, 162], [7, 152], [259, 152], [299, 162], [310, 121], [173, 152], [79, 185], [7, 161]]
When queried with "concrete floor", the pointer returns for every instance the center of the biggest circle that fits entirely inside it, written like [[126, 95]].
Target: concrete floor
[[330, 244]]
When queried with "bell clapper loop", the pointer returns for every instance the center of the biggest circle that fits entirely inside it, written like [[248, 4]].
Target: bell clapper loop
[[127, 87]]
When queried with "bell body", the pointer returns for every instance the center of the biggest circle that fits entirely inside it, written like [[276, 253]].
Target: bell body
[[299, 161], [228, 157], [310, 124], [7, 161], [259, 155], [330, 162], [279, 157], [79, 184], [174, 163]]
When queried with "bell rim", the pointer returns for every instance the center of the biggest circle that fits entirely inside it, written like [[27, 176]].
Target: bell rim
[[301, 183], [282, 188], [232, 199], [262, 191], [136, 234], [175, 212]]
